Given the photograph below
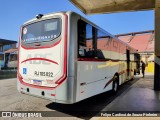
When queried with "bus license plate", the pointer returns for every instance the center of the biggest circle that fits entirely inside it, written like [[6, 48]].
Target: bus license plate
[[37, 82]]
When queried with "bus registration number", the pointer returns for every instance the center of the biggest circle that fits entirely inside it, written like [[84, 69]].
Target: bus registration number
[[46, 74]]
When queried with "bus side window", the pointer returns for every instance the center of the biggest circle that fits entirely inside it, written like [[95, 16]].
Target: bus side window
[[85, 40], [103, 45]]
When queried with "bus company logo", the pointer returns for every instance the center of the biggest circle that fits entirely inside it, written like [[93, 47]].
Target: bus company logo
[[39, 59]]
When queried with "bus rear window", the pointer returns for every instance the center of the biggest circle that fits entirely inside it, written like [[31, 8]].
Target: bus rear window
[[42, 31]]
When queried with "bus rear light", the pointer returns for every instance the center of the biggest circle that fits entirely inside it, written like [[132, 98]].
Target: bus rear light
[[50, 81], [52, 94]]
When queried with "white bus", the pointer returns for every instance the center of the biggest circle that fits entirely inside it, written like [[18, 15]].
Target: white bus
[[66, 58]]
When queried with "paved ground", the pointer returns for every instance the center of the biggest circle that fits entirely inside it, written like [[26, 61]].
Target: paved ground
[[138, 97], [11, 99]]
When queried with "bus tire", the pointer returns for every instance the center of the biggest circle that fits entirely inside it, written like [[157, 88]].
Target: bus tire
[[115, 84]]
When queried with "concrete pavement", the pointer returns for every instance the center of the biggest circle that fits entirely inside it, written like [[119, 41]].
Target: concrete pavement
[[138, 97], [135, 95], [12, 100]]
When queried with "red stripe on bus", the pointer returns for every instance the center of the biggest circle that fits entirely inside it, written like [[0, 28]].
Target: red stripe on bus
[[120, 73], [108, 83], [97, 60], [91, 59], [44, 59], [64, 76], [19, 52], [53, 95]]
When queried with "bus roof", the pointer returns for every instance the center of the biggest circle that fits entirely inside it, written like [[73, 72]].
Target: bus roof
[[71, 12]]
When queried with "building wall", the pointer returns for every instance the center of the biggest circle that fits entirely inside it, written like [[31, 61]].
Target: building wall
[[148, 58], [6, 45], [144, 43]]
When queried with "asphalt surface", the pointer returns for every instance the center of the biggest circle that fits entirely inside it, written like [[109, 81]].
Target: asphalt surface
[[12, 100]]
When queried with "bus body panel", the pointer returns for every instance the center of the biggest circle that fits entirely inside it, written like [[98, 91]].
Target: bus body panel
[[95, 77], [73, 86], [93, 84], [49, 94], [32, 69]]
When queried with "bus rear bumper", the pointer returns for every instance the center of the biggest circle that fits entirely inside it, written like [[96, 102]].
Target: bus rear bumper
[[41, 93], [47, 94]]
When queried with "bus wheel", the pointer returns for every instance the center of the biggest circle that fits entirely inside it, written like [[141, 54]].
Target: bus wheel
[[115, 84]]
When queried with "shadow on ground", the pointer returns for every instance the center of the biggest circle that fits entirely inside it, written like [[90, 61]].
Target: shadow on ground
[[90, 107]]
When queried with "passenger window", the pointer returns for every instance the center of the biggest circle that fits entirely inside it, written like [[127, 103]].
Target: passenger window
[[103, 45], [85, 40]]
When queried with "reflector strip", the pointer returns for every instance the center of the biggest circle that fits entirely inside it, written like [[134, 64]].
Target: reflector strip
[[52, 94]]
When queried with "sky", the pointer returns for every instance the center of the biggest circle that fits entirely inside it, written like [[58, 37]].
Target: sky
[[13, 13]]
